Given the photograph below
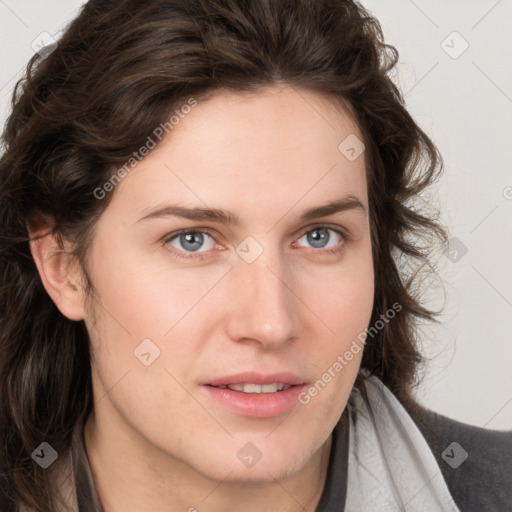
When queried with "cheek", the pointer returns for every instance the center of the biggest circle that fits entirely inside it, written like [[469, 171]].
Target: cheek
[[140, 297], [342, 298], [341, 295], [149, 315]]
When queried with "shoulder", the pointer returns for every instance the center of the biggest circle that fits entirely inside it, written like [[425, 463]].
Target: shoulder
[[476, 462]]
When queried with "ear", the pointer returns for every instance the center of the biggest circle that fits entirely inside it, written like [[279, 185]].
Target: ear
[[58, 271]]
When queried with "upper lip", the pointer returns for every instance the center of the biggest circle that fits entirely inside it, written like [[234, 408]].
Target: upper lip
[[258, 378]]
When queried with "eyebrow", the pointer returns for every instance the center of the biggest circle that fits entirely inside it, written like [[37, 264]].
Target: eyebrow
[[220, 215]]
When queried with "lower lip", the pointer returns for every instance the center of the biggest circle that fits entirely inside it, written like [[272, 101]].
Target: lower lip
[[257, 405]]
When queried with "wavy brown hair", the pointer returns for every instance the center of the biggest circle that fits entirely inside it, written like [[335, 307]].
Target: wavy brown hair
[[118, 71]]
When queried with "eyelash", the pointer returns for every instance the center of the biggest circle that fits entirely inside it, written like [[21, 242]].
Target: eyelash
[[203, 255]]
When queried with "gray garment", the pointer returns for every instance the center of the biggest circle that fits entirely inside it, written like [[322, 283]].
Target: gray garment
[[482, 483]]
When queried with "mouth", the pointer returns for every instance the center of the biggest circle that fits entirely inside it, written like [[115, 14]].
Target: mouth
[[274, 387], [256, 395]]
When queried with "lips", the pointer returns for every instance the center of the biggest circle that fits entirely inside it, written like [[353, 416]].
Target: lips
[[253, 381], [255, 394], [257, 388]]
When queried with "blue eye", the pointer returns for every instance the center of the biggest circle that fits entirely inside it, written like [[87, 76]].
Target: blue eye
[[191, 241], [197, 243], [320, 236]]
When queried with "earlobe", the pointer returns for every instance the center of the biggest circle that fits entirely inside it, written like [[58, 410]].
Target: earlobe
[[55, 265]]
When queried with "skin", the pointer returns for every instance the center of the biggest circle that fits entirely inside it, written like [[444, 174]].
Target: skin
[[155, 440]]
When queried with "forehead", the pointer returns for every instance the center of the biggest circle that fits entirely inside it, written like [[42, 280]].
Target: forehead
[[266, 150]]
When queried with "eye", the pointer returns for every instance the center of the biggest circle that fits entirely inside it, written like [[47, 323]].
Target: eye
[[323, 237], [197, 243], [191, 241]]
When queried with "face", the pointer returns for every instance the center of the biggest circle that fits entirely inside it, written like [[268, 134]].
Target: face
[[214, 265]]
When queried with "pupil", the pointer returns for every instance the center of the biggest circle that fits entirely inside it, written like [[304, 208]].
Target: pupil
[[318, 237], [191, 241]]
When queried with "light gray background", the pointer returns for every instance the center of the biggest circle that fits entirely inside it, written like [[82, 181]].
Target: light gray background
[[465, 105]]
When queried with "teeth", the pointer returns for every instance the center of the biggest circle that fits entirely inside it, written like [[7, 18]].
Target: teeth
[[257, 388]]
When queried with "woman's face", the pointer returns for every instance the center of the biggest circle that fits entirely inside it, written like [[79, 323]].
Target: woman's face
[[262, 285]]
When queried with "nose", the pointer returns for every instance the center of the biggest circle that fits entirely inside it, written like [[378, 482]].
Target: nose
[[263, 309]]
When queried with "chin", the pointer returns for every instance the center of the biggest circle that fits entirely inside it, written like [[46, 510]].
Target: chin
[[257, 460]]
